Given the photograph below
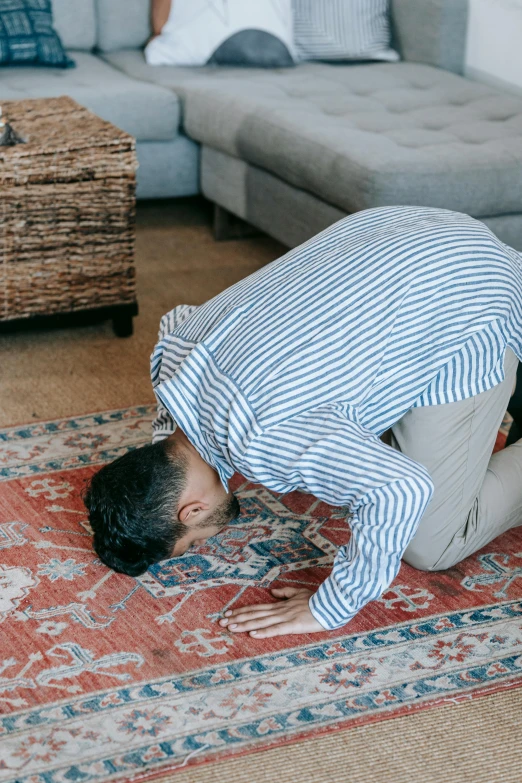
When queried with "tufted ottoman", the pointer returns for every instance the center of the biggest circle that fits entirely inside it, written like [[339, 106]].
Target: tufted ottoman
[[292, 151]]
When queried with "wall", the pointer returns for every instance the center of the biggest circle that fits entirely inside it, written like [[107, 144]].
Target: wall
[[494, 49]]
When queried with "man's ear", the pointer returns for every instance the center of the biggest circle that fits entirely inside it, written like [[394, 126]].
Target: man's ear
[[191, 511]]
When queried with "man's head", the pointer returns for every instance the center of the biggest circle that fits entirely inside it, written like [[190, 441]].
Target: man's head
[[154, 503]]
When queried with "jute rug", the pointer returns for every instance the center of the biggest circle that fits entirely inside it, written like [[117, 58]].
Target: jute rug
[[107, 677]]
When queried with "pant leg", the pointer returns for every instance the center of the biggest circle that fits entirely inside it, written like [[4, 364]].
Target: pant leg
[[515, 409], [477, 496]]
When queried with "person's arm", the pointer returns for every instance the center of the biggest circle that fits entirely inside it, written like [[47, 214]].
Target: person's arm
[[160, 11], [334, 458], [163, 361]]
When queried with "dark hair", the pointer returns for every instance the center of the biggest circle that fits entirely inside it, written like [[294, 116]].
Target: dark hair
[[132, 504]]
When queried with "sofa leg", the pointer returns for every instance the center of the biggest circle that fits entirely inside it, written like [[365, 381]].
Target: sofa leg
[[228, 226]]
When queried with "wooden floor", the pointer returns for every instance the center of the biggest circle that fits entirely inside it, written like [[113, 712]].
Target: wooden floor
[[50, 374]]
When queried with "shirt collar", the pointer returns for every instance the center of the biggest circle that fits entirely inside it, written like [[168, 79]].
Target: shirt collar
[[182, 395]]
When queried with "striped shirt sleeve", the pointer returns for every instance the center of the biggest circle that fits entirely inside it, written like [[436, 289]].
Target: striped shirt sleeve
[[334, 458], [164, 425]]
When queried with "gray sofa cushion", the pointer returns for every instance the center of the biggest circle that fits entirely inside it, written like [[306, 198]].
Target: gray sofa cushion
[[168, 169], [75, 23], [290, 214], [361, 136], [123, 24], [147, 112], [181, 79], [431, 31]]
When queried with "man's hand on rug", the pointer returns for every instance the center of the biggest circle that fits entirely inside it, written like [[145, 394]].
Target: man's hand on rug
[[288, 616]]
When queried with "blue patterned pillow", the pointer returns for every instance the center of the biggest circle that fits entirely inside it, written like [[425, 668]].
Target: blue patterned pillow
[[27, 35]]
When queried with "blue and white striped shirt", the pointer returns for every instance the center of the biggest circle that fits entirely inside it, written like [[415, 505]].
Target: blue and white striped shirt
[[290, 376]]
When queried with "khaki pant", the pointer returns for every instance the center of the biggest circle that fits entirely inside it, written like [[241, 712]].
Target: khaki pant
[[477, 496]]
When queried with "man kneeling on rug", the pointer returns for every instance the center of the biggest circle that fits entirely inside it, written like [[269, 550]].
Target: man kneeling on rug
[[400, 319]]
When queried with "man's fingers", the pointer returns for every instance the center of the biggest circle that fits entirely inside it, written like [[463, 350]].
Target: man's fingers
[[285, 592], [260, 622], [278, 592], [292, 616], [252, 608], [259, 616], [251, 615]]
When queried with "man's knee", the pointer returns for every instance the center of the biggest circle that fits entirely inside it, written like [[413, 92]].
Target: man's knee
[[424, 560]]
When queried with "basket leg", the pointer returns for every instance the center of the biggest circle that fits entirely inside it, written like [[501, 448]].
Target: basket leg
[[122, 325]]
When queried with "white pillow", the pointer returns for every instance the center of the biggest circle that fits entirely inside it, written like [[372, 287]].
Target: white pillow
[[340, 30], [225, 32]]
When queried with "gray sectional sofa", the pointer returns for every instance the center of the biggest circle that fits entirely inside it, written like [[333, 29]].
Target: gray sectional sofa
[[292, 150]]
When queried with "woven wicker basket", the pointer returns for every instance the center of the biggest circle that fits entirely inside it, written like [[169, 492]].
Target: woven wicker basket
[[67, 212]]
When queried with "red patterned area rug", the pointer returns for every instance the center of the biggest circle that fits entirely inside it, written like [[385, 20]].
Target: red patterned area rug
[[107, 677]]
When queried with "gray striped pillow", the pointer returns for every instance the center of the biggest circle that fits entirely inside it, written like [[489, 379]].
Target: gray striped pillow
[[337, 30]]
